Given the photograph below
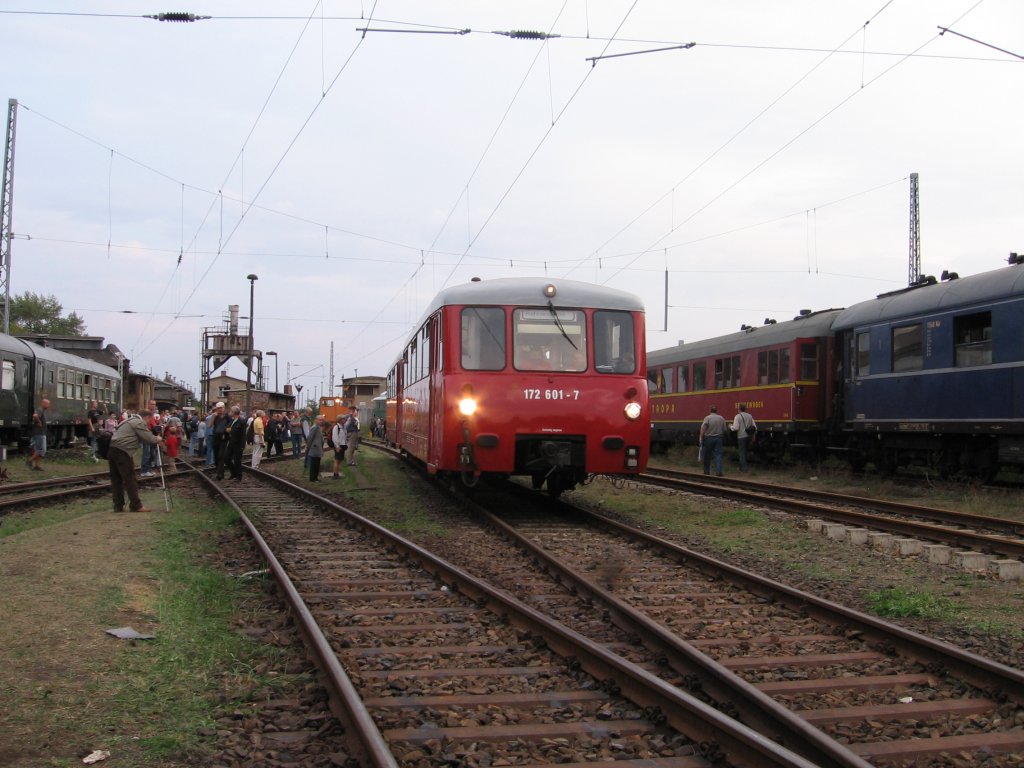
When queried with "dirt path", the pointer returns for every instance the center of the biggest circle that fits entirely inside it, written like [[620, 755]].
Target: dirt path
[[58, 660]]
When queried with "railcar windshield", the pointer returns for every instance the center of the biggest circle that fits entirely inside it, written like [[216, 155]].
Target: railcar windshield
[[549, 339], [614, 349], [483, 338]]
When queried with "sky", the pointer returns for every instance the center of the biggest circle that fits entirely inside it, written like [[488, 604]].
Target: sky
[[761, 171]]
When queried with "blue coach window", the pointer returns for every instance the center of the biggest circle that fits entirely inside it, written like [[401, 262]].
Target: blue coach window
[[907, 349]]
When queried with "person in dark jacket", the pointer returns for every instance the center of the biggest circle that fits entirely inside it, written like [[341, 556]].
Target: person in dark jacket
[[234, 438], [129, 435], [315, 448], [217, 433]]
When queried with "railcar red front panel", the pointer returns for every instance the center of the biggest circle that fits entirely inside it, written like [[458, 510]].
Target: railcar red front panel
[[515, 405]]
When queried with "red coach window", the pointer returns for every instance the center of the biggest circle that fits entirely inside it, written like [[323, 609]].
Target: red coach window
[[483, 338], [613, 342]]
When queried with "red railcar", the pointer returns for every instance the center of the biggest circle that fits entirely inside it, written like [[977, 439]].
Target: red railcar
[[783, 372], [524, 376]]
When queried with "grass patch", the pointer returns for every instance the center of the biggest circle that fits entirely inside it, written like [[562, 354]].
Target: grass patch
[[737, 517], [894, 602], [381, 489], [169, 684]]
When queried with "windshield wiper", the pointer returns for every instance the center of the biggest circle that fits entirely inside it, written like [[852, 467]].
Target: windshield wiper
[[558, 322]]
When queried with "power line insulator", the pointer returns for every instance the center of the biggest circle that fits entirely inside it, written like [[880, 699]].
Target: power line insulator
[[526, 34], [181, 16]]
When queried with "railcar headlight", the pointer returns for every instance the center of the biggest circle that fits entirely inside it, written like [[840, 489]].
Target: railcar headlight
[[632, 411], [467, 406]]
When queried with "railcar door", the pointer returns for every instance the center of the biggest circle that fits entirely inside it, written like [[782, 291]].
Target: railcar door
[[436, 415]]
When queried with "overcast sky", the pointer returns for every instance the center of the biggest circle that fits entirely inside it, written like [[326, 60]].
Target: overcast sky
[[766, 168]]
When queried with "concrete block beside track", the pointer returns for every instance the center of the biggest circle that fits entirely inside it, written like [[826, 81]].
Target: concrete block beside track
[[972, 561], [857, 535], [938, 553], [835, 530], [1007, 570], [881, 541], [815, 526], [908, 547]]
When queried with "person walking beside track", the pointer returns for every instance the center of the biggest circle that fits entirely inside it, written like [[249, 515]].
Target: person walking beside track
[[38, 436], [712, 436], [129, 435]]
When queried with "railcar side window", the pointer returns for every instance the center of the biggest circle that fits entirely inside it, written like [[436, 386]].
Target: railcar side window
[[973, 334], [60, 381], [662, 381], [684, 378], [7, 376], [549, 339], [727, 372], [613, 342], [907, 350], [483, 338], [864, 354], [808, 362], [700, 376]]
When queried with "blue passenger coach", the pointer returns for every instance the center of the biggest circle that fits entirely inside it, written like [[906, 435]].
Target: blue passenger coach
[[934, 374]]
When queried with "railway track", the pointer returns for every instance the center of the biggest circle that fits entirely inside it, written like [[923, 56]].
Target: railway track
[[16, 495], [978, 533], [431, 666], [891, 695]]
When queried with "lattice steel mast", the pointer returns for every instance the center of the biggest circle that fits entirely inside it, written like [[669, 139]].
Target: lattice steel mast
[[6, 206], [914, 274]]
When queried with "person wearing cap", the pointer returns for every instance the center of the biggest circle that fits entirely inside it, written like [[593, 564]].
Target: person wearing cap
[[129, 435]]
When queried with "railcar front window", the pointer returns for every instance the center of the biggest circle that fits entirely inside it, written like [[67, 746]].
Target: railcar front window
[[7, 382], [973, 334], [614, 351], [907, 350], [483, 338], [549, 339]]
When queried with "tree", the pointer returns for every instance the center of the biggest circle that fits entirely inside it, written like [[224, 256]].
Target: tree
[[36, 313]]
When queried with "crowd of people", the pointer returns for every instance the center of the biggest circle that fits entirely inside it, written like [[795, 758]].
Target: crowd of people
[[219, 436]]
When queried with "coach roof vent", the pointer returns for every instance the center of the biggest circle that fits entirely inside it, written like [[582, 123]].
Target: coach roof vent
[[947, 275], [474, 280]]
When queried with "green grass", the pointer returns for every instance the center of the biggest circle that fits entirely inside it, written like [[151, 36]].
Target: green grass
[[901, 603], [171, 684]]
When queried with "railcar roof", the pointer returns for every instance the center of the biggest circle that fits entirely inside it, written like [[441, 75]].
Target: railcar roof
[[813, 325], [929, 299], [67, 359], [14, 345], [529, 291]]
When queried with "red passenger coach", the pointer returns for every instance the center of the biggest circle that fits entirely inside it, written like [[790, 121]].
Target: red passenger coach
[[524, 376], [783, 372]]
